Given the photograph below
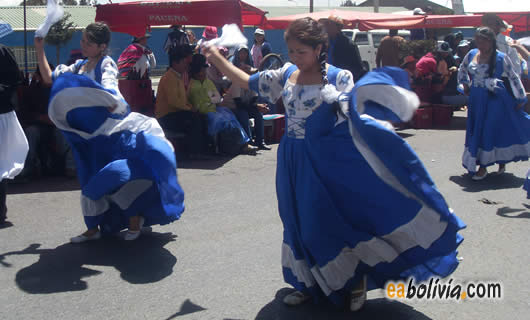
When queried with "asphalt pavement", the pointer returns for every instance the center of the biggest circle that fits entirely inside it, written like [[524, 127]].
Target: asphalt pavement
[[222, 259]]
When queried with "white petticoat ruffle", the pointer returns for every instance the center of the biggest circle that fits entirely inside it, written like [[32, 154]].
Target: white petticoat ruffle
[[13, 146]]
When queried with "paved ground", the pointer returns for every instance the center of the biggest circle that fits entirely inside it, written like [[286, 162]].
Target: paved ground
[[222, 259]]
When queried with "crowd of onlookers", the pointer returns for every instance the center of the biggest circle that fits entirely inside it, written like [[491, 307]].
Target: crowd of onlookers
[[195, 104], [198, 106], [433, 76], [195, 99]]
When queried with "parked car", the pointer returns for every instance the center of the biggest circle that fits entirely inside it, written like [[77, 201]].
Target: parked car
[[368, 42]]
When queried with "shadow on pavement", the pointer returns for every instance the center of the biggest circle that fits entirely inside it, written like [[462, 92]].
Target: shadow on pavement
[[506, 212], [404, 135], [187, 307], [491, 182], [457, 123], [62, 269], [373, 309], [48, 184], [215, 162], [212, 162]]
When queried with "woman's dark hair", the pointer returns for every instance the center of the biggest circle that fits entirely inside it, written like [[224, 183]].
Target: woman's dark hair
[[450, 38], [198, 62], [178, 53], [488, 34], [98, 33], [310, 33]]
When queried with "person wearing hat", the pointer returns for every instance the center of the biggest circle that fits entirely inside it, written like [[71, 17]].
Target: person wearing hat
[[261, 47], [445, 69], [342, 52], [177, 37], [429, 64], [417, 34], [498, 132], [209, 33], [433, 72], [409, 65], [450, 94], [173, 110], [430, 33], [137, 59], [498, 26], [461, 50]]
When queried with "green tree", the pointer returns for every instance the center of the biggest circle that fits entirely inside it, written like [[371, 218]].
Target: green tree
[[347, 3], [87, 2], [34, 2], [69, 3], [61, 33]]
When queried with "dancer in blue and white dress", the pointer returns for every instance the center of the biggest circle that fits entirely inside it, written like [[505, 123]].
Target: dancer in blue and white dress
[[126, 167], [498, 129], [357, 206]]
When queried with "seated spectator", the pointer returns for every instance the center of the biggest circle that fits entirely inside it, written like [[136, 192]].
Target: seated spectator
[[433, 72], [137, 60], [191, 38], [204, 96], [409, 65], [241, 59], [445, 69], [209, 33], [173, 110], [217, 77], [49, 153], [246, 101]]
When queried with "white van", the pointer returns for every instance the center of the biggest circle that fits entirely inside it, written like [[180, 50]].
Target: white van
[[368, 42]]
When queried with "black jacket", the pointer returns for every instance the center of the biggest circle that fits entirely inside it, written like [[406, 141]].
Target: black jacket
[[9, 78], [345, 55]]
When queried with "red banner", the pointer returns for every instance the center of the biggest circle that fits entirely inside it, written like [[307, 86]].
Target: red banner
[[135, 17], [352, 19]]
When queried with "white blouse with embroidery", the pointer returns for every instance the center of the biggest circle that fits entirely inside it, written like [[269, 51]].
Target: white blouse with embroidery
[[476, 74], [109, 72], [300, 101]]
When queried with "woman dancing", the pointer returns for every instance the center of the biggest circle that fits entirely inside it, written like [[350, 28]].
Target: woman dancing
[[357, 206], [126, 167]]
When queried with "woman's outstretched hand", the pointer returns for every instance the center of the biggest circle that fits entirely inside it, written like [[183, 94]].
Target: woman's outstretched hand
[[211, 53], [39, 43]]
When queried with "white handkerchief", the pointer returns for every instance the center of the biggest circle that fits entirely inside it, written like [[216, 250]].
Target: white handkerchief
[[231, 36], [54, 13]]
